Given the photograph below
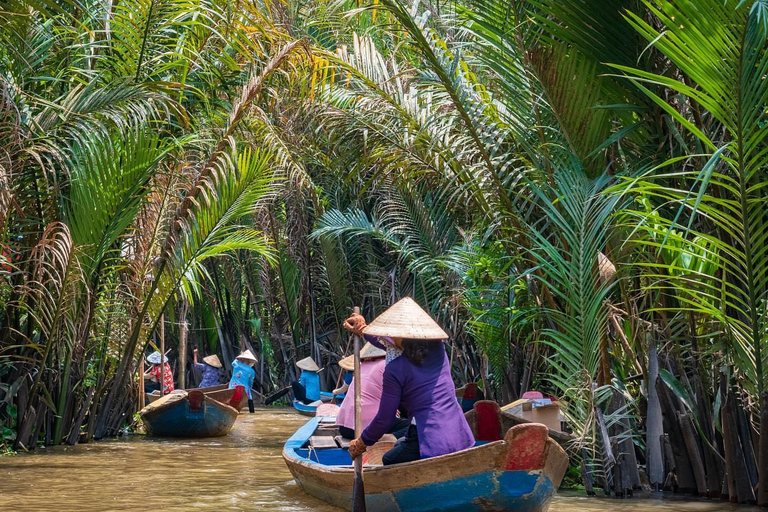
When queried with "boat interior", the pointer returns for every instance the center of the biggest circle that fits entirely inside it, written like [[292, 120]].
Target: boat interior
[[326, 445]]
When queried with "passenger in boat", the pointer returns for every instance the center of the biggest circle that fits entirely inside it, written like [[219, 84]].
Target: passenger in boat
[[372, 365], [243, 374], [307, 389], [420, 377], [210, 368], [154, 377]]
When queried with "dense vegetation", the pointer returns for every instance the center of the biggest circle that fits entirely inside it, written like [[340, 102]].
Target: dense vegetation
[[573, 188]]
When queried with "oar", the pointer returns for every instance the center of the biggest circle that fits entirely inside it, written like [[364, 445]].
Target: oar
[[358, 492], [276, 396]]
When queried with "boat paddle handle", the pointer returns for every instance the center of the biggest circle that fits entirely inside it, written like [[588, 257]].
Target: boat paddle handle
[[358, 492]]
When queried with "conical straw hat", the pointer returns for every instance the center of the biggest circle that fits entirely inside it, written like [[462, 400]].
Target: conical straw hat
[[212, 360], [154, 357], [248, 356], [405, 319], [308, 364], [369, 351], [347, 363]]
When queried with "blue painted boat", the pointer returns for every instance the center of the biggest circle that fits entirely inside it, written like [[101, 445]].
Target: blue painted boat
[[516, 469], [189, 414], [310, 409]]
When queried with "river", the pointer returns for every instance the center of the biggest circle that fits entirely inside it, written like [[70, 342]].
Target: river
[[241, 471]]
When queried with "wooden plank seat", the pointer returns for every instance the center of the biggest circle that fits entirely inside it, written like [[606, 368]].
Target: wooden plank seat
[[327, 430], [319, 442], [343, 442]]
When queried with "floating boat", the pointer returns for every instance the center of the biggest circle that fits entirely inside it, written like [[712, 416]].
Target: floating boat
[[311, 409], [220, 393], [191, 414], [517, 468]]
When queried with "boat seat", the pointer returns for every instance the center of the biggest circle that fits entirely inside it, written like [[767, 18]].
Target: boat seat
[[342, 441], [327, 430], [318, 442]]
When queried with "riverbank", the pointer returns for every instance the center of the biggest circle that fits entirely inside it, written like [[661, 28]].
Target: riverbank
[[241, 471]]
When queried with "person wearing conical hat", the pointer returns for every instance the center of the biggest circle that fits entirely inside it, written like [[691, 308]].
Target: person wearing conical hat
[[210, 368], [420, 378], [307, 389], [243, 374], [371, 381], [156, 376]]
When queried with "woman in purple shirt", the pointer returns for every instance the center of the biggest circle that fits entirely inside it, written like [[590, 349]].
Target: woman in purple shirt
[[420, 379]]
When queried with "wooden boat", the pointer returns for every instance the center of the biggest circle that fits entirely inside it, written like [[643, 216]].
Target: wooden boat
[[311, 409], [220, 393], [190, 414], [516, 469]]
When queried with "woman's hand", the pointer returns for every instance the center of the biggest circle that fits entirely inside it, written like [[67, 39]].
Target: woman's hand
[[356, 448], [341, 390], [355, 323]]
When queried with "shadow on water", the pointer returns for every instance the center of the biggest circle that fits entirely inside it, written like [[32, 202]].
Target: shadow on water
[[241, 471]]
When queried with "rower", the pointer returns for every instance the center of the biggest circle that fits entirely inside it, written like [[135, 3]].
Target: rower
[[243, 374], [418, 374], [307, 389], [153, 375], [210, 368], [372, 365]]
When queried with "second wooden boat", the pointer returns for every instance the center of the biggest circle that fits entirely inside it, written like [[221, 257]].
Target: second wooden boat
[[190, 414], [518, 469], [221, 393], [311, 409]]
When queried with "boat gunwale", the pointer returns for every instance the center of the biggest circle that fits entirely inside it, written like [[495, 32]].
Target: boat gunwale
[[290, 454]]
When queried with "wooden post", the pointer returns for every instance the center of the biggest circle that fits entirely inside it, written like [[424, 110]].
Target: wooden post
[[183, 331], [358, 493], [162, 354], [142, 398]]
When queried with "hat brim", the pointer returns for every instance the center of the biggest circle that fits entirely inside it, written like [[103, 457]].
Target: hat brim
[[212, 360], [406, 320], [347, 363]]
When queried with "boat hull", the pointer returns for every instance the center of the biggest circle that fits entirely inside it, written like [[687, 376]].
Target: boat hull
[[311, 409], [304, 409], [520, 491], [521, 472], [178, 419]]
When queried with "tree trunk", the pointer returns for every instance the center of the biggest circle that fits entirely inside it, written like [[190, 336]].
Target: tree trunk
[[739, 485], [762, 489], [654, 422], [689, 435]]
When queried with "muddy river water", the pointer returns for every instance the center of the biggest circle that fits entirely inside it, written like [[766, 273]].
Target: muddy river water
[[241, 471]]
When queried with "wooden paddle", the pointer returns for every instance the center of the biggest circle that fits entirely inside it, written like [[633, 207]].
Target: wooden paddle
[[358, 492], [271, 398]]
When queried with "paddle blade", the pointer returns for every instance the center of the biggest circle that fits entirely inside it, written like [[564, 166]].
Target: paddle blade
[[277, 396], [358, 495]]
